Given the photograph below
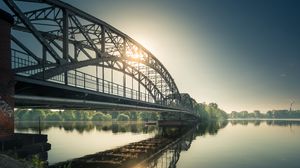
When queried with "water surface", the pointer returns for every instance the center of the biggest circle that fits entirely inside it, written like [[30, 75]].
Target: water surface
[[241, 144]]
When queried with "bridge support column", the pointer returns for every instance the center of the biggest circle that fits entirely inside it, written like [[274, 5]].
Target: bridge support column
[[6, 77]]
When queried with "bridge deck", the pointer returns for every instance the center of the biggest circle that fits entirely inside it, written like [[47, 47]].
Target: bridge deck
[[32, 93]]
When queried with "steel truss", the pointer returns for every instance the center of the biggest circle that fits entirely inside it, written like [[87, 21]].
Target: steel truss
[[72, 39]]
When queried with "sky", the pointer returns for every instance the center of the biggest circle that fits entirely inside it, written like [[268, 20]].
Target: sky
[[242, 55]]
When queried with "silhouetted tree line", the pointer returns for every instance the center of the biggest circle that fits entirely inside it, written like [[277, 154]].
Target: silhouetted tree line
[[269, 114]]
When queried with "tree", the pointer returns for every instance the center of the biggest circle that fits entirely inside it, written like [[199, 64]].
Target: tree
[[68, 115], [234, 114], [101, 117], [244, 114], [114, 115], [133, 116], [257, 114], [54, 116], [123, 117]]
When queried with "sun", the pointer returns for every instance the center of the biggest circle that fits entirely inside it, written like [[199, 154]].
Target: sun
[[136, 54]]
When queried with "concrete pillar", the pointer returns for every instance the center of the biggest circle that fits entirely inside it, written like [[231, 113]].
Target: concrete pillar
[[6, 77]]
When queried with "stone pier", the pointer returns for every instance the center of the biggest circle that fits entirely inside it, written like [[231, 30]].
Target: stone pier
[[6, 77]]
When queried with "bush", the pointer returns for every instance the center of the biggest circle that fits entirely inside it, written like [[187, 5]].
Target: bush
[[101, 117], [53, 117], [123, 117]]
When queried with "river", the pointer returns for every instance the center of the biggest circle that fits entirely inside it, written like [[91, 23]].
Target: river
[[228, 144]]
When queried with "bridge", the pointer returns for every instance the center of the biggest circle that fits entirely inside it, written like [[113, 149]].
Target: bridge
[[54, 55]]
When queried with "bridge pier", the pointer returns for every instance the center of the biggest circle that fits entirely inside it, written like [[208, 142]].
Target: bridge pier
[[6, 77]]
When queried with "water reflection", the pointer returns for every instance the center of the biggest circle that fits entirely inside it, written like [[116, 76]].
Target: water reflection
[[86, 127], [170, 157], [287, 123], [158, 147], [162, 150]]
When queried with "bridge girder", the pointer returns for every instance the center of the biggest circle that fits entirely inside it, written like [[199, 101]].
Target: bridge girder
[[72, 39]]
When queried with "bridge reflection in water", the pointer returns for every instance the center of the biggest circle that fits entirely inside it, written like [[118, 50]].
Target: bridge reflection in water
[[161, 150]]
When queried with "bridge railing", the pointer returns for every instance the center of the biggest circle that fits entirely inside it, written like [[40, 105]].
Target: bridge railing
[[83, 80], [21, 59], [79, 79]]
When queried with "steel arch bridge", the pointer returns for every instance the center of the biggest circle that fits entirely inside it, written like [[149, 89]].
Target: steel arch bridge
[[65, 57]]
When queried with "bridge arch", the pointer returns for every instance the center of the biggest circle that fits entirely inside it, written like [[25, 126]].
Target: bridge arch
[[93, 40]]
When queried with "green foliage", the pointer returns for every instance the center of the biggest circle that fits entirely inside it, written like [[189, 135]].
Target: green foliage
[[101, 117], [30, 115], [123, 117], [68, 116], [53, 116], [80, 115], [210, 111], [143, 116], [153, 117], [36, 162], [114, 115], [133, 116], [204, 111]]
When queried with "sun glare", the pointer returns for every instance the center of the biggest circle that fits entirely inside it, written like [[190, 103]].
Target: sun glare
[[136, 55]]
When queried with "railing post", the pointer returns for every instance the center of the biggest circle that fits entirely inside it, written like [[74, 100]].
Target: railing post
[[97, 79], [75, 78], [83, 80], [103, 77], [118, 90], [139, 86], [132, 87], [97, 84], [112, 80], [124, 83]]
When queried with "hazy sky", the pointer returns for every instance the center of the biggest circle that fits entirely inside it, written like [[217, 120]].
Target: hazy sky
[[243, 55]]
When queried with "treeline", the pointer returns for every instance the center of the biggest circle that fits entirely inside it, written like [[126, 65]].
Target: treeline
[[210, 111], [269, 114], [81, 115], [284, 123], [205, 111]]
